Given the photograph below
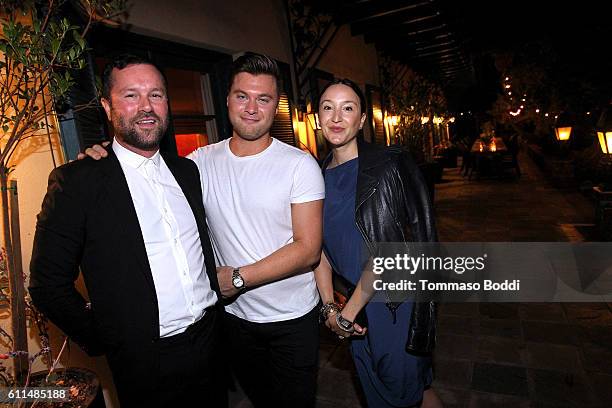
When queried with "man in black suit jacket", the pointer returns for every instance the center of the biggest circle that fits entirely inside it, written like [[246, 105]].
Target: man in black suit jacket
[[135, 225]]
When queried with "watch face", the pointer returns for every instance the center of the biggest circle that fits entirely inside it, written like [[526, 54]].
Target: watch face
[[237, 282]]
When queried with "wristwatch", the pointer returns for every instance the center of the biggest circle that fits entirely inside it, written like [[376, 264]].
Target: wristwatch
[[326, 310], [237, 279], [344, 324]]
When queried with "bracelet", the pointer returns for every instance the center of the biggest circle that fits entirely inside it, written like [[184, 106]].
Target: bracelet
[[326, 309], [344, 324]]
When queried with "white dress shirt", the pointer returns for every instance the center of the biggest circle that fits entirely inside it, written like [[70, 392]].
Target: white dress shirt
[[172, 241]]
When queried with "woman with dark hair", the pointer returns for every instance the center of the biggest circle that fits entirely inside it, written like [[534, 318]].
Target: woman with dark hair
[[373, 194]]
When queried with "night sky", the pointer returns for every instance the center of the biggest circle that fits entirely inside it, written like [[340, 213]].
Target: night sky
[[571, 40]]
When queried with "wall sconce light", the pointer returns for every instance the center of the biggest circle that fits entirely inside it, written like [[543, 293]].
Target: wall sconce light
[[604, 131], [313, 119]]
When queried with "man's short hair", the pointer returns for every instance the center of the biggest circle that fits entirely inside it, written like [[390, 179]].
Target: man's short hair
[[119, 62], [256, 64]]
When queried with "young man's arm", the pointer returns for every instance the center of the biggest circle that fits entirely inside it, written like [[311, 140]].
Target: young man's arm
[[295, 257]]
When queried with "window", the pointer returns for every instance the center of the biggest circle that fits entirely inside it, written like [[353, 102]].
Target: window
[[192, 111]]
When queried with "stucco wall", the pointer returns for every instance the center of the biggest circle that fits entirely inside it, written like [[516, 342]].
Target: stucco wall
[[350, 57], [231, 26]]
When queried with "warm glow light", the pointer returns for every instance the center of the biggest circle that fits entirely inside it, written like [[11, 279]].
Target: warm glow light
[[537, 111], [424, 120], [302, 135], [605, 143], [546, 114], [452, 120], [518, 112], [393, 120], [461, 113], [522, 106], [313, 119], [509, 93], [523, 99], [378, 114], [437, 120], [507, 78], [188, 142], [588, 113], [508, 86], [556, 116], [563, 133]]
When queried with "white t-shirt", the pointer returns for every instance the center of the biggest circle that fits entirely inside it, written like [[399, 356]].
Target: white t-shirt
[[248, 209]]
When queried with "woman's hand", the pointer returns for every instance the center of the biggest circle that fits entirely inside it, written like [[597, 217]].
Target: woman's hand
[[332, 324]]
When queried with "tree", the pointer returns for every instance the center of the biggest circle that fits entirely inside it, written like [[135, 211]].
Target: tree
[[411, 97], [40, 49]]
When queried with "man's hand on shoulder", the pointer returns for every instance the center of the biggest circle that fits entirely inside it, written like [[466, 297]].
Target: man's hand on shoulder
[[96, 152]]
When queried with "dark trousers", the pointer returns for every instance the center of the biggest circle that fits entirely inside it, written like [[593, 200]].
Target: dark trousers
[[276, 363], [190, 373]]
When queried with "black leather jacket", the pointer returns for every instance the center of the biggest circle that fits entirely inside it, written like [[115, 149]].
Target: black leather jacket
[[392, 205]]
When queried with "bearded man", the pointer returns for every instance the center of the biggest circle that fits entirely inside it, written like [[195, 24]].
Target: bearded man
[[136, 227]]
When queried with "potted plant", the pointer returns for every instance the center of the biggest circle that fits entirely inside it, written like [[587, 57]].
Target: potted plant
[[82, 387]]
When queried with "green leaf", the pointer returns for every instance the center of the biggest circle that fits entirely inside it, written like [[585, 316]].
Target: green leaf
[[79, 39], [55, 45]]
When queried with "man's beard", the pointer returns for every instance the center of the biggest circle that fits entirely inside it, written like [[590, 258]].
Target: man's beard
[[148, 139]]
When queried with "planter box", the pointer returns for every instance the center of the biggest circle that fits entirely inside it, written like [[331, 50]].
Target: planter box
[[432, 173], [603, 212]]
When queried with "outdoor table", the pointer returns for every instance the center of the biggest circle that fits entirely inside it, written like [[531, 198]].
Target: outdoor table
[[487, 155], [481, 147]]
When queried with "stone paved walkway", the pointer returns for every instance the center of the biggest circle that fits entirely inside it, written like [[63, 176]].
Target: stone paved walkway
[[503, 355], [520, 355]]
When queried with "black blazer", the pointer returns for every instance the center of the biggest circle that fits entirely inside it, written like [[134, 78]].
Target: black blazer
[[88, 219]]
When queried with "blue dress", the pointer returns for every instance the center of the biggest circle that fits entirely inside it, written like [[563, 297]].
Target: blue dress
[[390, 377]]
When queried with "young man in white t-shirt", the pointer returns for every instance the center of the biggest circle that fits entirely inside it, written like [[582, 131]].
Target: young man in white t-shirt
[[264, 207], [264, 203]]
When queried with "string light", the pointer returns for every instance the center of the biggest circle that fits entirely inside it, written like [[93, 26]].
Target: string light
[[537, 111]]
